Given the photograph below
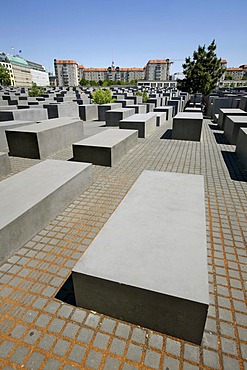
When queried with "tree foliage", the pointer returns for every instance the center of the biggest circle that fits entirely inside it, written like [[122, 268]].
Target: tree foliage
[[203, 71], [143, 94], [102, 96], [4, 76], [35, 90]]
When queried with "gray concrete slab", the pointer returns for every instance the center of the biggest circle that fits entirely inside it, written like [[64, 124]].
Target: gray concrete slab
[[113, 117], [33, 197], [105, 107], [5, 125], [88, 112], [187, 126], [62, 110], [105, 148], [232, 127], [148, 265], [224, 112], [138, 108], [167, 109], [29, 114], [144, 123], [5, 167], [241, 147], [45, 138]]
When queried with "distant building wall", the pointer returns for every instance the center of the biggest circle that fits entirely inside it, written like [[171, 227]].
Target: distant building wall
[[40, 78]]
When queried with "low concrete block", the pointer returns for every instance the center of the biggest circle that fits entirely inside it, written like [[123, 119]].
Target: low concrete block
[[5, 125], [155, 274], [88, 112], [224, 112], [30, 114], [102, 109], [44, 139], [144, 123], [232, 127], [241, 147], [33, 197], [5, 167], [175, 104], [187, 126], [166, 109], [160, 117], [138, 108], [193, 109], [105, 148], [62, 110], [113, 117], [243, 103]]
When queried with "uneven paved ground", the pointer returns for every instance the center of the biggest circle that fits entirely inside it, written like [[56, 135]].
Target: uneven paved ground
[[41, 332]]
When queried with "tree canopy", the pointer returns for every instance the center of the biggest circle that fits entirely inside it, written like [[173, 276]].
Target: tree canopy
[[102, 96], [4, 76], [35, 90], [203, 71]]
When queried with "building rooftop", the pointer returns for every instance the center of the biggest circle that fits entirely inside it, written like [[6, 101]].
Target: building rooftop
[[40, 331], [234, 69], [157, 61], [65, 61]]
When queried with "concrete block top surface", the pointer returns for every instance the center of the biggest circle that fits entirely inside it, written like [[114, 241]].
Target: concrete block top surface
[[46, 125], [228, 111], [14, 122], [119, 110], [20, 192], [140, 117], [156, 238], [238, 119], [107, 138], [189, 115]]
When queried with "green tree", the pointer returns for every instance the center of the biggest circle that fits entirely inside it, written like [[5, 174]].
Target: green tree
[[228, 76], [102, 96], [84, 82], [203, 71], [4, 76], [35, 90]]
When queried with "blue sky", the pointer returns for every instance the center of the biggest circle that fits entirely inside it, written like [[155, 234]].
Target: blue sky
[[132, 31]]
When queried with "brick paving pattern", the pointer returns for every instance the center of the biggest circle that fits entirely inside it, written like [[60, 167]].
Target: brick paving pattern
[[40, 332]]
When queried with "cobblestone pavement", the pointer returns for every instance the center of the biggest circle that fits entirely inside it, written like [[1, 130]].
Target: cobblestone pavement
[[40, 332]]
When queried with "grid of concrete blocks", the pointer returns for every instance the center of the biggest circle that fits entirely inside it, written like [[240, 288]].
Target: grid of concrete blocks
[[40, 331]]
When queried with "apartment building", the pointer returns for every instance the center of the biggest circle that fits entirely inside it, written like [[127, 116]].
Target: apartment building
[[4, 62], [157, 70], [66, 72], [236, 73], [21, 71]]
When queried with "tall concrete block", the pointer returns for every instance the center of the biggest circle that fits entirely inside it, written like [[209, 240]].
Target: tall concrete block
[[241, 147]]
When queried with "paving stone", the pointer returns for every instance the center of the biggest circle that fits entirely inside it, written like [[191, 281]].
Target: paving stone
[[61, 347], [111, 364], [107, 325], [94, 360], [211, 359], [53, 364], [32, 336], [92, 320], [117, 346], [79, 315], [139, 336], [134, 353], [191, 353], [43, 320], [228, 346], [19, 355], [5, 348], [230, 363], [35, 361], [85, 335], [173, 347], [18, 331], [77, 353], [123, 330], [56, 325], [155, 341], [70, 330], [170, 363], [152, 359], [65, 311], [101, 341], [46, 342]]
